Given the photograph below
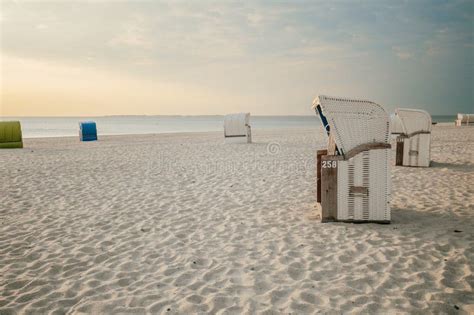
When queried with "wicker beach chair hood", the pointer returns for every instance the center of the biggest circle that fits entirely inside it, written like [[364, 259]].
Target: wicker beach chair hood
[[235, 124], [353, 122], [10, 135], [414, 120]]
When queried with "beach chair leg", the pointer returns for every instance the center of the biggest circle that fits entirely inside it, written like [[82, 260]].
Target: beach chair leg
[[399, 152], [319, 154], [328, 189]]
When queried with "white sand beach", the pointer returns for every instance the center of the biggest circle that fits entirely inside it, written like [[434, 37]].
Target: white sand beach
[[182, 224]]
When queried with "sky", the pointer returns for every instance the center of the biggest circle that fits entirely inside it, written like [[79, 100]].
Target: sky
[[94, 58]]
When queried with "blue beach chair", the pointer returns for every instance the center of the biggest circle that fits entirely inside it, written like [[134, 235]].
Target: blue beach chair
[[88, 131]]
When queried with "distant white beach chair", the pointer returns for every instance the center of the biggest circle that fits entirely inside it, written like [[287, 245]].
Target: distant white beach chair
[[237, 128], [464, 119], [353, 173], [414, 140]]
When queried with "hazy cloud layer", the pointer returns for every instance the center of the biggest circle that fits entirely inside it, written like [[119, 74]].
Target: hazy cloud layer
[[266, 57]]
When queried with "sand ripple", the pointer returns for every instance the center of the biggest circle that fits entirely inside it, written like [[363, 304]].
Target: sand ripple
[[184, 224]]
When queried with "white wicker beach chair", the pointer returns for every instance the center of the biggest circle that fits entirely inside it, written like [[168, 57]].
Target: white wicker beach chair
[[414, 142], [396, 126], [237, 128], [354, 171], [464, 119]]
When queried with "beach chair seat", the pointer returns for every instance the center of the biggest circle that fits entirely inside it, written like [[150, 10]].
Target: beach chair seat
[[237, 128], [353, 172], [10, 135], [414, 140], [88, 131]]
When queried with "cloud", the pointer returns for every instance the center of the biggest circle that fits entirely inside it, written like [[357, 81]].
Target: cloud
[[51, 88], [432, 48], [133, 33], [41, 26], [402, 53], [268, 55]]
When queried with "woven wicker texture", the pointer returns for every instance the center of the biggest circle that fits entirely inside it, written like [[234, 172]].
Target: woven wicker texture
[[10, 135], [416, 150], [236, 124], [363, 181], [414, 120], [396, 125], [466, 118], [371, 170], [354, 122]]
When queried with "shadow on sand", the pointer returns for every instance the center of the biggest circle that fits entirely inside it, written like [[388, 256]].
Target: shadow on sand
[[435, 218], [453, 166]]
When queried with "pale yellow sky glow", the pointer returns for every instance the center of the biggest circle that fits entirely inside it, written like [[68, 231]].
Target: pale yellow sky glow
[[35, 88], [72, 58]]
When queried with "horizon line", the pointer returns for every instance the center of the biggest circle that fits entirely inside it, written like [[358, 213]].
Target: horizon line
[[170, 115]]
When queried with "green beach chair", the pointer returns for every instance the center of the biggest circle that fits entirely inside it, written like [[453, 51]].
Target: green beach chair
[[10, 135]]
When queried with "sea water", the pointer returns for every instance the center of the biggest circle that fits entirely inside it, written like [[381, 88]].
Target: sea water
[[34, 127]]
